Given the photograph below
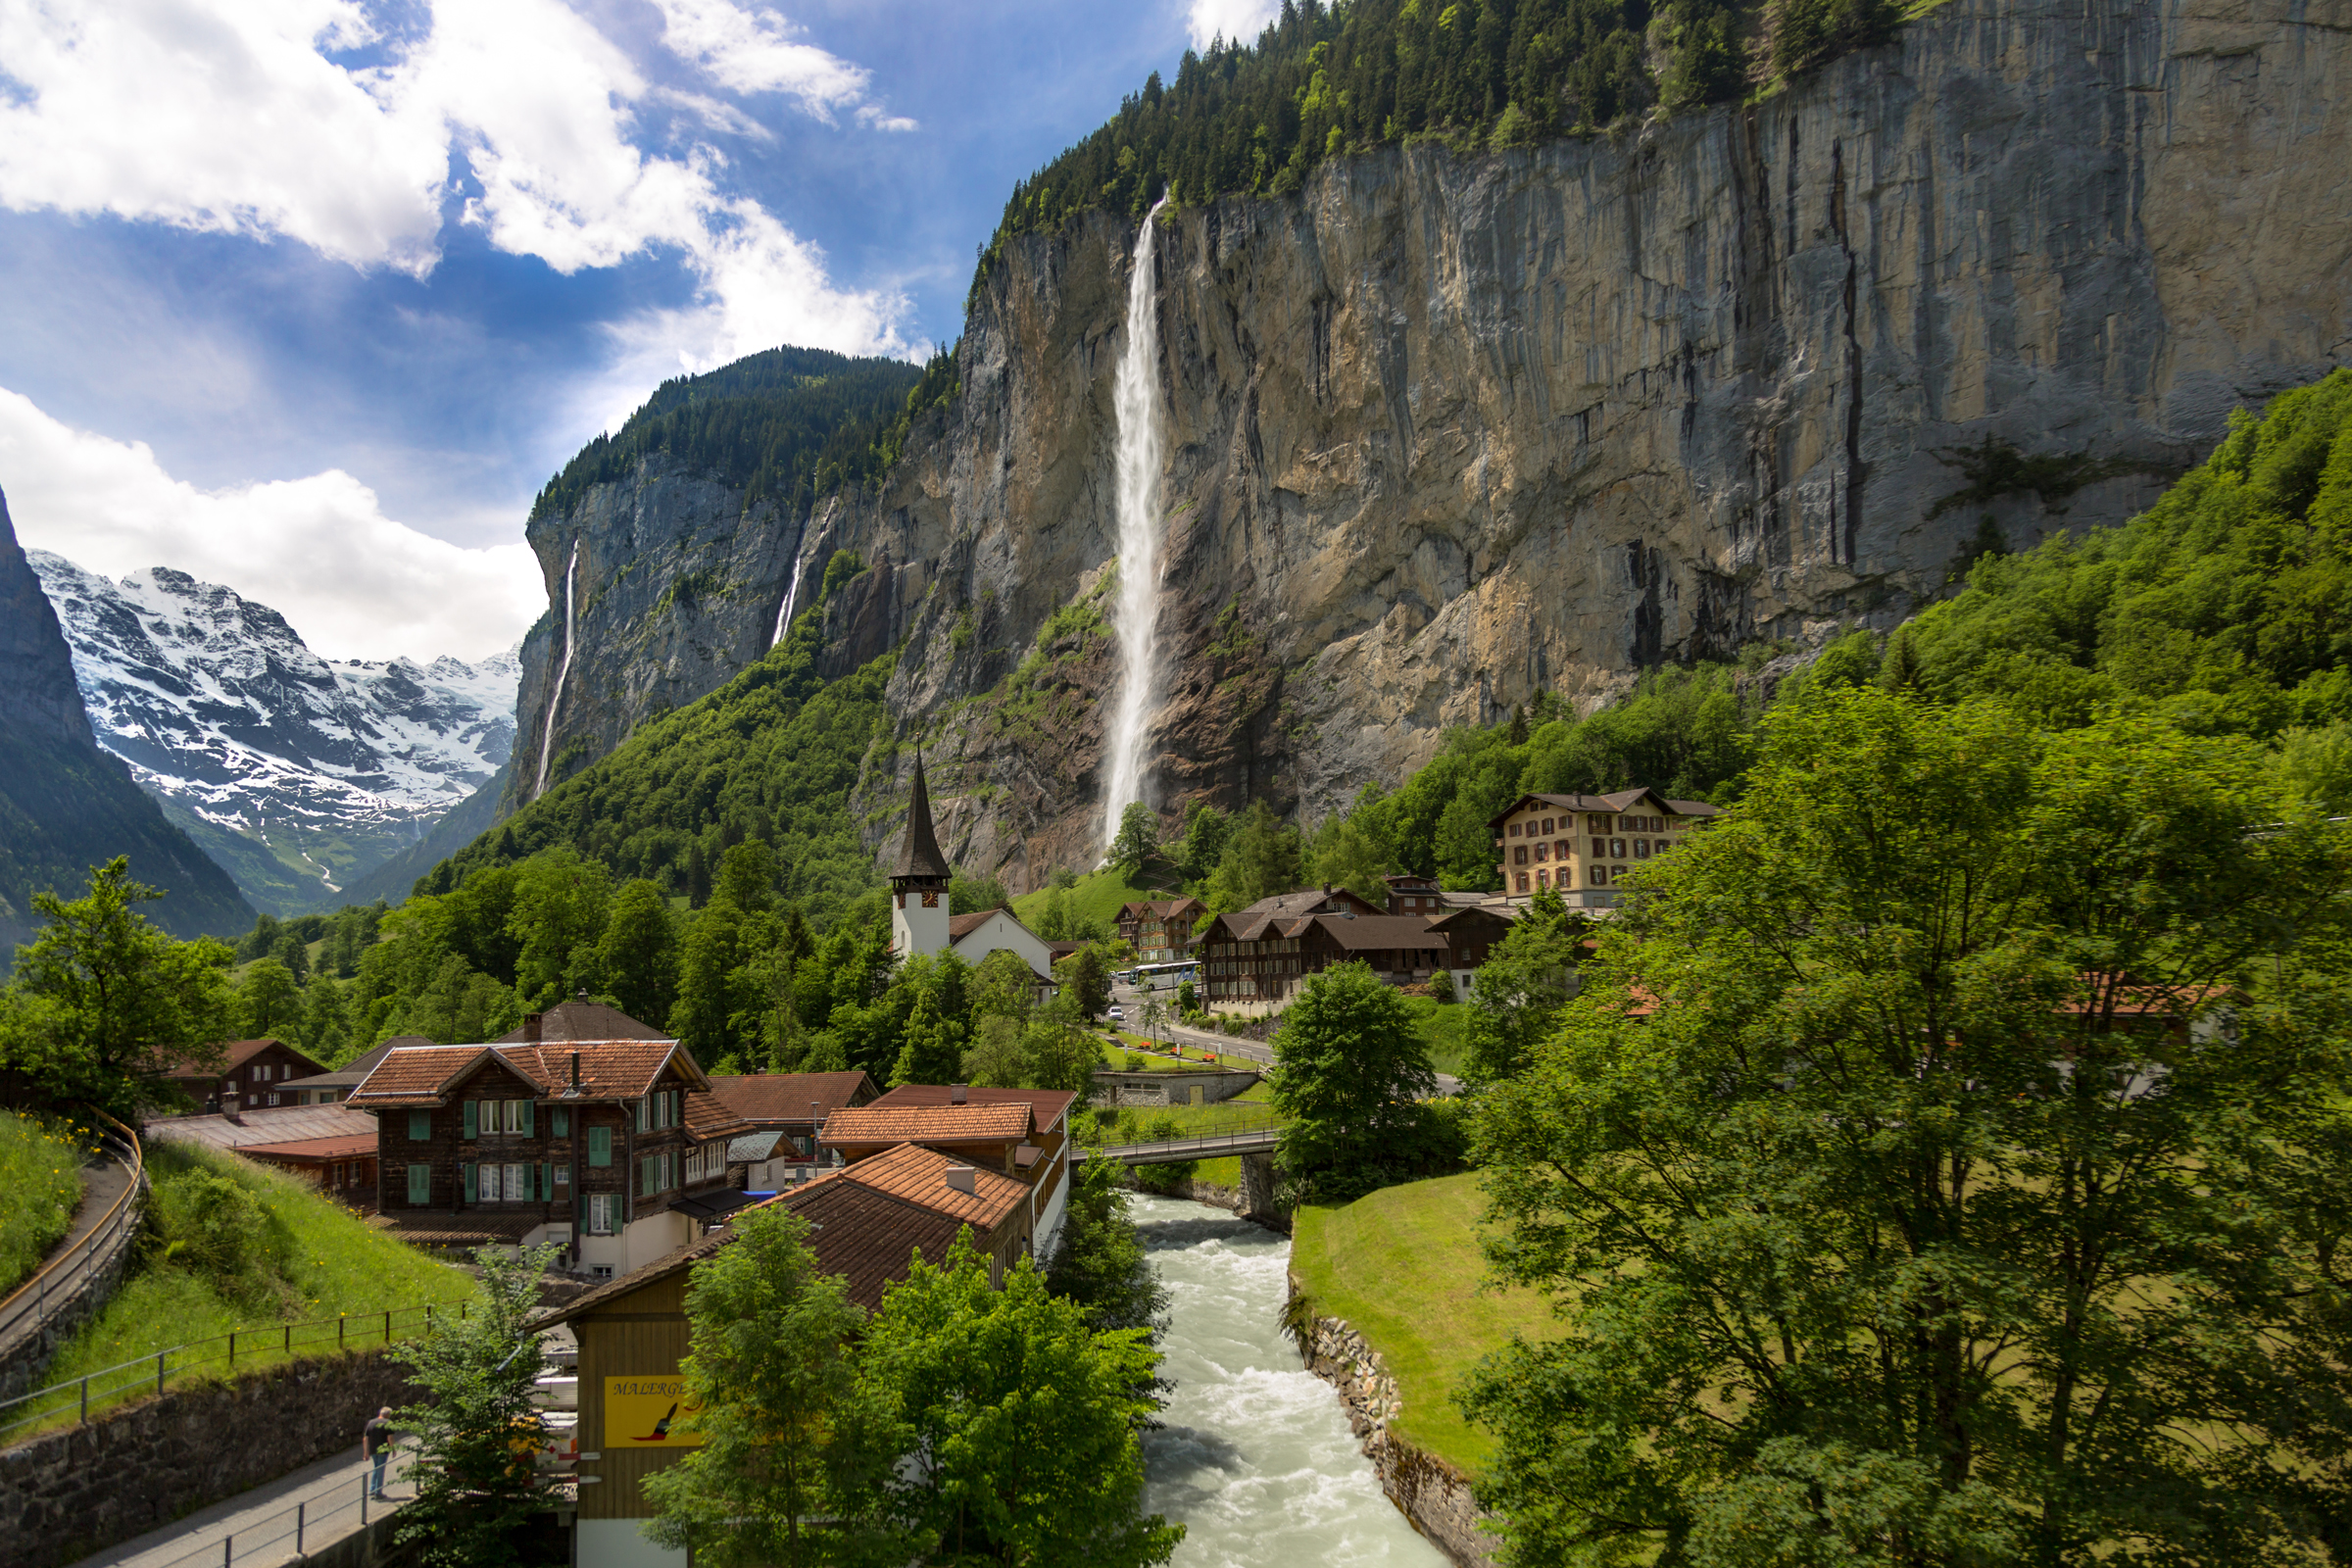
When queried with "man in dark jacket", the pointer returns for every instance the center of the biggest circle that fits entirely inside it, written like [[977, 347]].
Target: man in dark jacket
[[375, 1446]]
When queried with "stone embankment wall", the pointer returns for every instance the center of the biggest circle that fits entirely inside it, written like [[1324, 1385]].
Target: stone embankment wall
[[68, 1493], [1113, 1088], [1430, 1492]]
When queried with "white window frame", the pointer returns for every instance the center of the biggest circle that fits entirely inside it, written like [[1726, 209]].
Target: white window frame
[[604, 1213]]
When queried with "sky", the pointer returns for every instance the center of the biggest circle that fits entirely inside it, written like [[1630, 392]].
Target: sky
[[310, 297]]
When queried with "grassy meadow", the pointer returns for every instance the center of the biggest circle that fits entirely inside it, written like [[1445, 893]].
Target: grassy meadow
[[41, 1171]]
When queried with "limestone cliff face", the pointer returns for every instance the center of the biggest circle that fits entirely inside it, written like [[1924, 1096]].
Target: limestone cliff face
[[1446, 430]]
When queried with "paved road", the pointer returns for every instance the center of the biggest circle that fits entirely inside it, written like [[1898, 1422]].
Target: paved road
[[258, 1525], [1223, 1044]]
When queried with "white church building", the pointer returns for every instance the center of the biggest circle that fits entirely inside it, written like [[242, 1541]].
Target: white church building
[[919, 922]]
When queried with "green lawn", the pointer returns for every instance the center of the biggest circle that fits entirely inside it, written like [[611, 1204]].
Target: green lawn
[[41, 1171], [1402, 1266], [1441, 1024], [1097, 897], [305, 1259]]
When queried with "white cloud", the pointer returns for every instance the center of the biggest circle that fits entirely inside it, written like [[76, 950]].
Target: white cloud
[[320, 549], [223, 115], [1235, 20]]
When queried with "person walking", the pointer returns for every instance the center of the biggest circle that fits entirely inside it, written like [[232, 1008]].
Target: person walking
[[375, 1446]]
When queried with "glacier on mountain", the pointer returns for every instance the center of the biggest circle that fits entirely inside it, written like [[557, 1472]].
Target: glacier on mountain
[[295, 772]]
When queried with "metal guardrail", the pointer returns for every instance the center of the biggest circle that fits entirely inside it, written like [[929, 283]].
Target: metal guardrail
[[63, 1277], [71, 1400], [289, 1535]]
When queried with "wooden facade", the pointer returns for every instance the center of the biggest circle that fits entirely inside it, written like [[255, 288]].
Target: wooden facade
[[253, 1076]]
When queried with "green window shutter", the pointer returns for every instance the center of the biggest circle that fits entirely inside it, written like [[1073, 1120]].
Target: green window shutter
[[470, 1182], [539, 1181], [421, 1185], [529, 1115], [558, 1122], [600, 1145], [473, 1121], [421, 1126]]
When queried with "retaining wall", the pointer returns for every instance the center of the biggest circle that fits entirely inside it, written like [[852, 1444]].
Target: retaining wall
[[1115, 1088], [1430, 1492], [71, 1492]]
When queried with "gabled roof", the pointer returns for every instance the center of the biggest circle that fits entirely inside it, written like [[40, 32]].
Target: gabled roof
[[997, 1123], [578, 1018], [1619, 800], [1159, 908], [960, 926], [1464, 915], [610, 1069], [1371, 931], [1045, 1105], [236, 1054], [415, 1076], [769, 1098], [918, 851], [1309, 900], [709, 1117], [919, 1175]]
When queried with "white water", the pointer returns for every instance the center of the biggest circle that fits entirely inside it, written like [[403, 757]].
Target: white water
[[555, 695], [1136, 617], [1255, 1458], [784, 612]]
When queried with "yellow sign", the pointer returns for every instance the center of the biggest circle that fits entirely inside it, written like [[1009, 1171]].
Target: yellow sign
[[648, 1412]]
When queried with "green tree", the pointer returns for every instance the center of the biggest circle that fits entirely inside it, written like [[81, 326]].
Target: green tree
[[291, 950], [933, 1051], [637, 953], [1260, 858], [1350, 852], [1517, 994], [772, 1384], [970, 895], [1137, 839], [1098, 1261], [1085, 978], [1350, 1070], [325, 1025], [561, 903], [1943, 1163], [269, 1001], [1203, 844], [101, 1002], [1017, 1423], [478, 1428]]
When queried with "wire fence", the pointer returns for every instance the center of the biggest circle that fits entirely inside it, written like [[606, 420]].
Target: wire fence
[[66, 1276], [291, 1533], [72, 1400]]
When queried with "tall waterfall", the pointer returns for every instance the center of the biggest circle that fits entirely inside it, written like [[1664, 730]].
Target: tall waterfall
[[1137, 613], [784, 610], [555, 694]]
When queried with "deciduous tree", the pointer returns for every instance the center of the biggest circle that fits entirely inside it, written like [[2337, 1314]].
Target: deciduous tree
[[1350, 1070]]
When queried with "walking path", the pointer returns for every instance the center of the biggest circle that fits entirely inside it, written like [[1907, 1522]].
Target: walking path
[[1252, 1050], [103, 1180], [259, 1526]]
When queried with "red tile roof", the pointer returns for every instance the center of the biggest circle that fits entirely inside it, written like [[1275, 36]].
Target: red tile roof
[[1045, 1105], [870, 1237], [415, 1076], [920, 1176], [927, 1124], [766, 1098], [610, 1069], [707, 1117]]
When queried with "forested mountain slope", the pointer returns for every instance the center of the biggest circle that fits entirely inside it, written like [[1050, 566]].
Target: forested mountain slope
[[65, 805], [1456, 421]]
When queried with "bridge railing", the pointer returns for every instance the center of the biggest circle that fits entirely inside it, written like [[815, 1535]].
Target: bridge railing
[[1238, 1141]]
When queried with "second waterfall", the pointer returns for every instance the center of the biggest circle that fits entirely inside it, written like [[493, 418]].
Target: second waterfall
[[1136, 617]]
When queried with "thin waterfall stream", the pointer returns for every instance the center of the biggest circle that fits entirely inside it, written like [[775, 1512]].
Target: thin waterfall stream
[[784, 610], [555, 695], [1254, 1455], [1136, 615]]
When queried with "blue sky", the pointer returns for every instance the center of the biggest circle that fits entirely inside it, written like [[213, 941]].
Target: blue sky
[[310, 296]]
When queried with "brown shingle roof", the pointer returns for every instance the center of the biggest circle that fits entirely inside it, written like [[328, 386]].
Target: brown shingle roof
[[870, 1237], [708, 1116], [766, 1098], [314, 1147], [610, 1069], [918, 851], [927, 1124], [456, 1230], [1045, 1105], [578, 1018], [1373, 931], [234, 1055]]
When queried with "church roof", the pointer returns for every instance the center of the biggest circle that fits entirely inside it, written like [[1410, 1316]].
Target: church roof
[[918, 852]]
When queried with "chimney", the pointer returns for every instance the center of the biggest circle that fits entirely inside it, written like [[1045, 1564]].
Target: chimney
[[962, 1179], [531, 1022], [959, 1094], [575, 1072]]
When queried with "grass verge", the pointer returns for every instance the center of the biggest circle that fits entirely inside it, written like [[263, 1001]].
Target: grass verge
[[1442, 1025], [232, 1245], [1096, 896], [41, 1171], [1402, 1266]]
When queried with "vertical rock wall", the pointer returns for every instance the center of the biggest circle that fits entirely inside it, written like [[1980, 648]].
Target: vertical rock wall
[[1446, 430]]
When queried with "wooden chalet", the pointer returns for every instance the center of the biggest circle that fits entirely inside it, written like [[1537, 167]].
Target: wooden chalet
[[1259, 956], [253, 1075], [615, 1148]]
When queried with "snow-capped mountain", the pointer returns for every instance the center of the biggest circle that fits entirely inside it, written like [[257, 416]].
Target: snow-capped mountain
[[296, 774]]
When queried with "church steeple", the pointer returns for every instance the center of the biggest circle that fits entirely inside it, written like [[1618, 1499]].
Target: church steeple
[[918, 882]]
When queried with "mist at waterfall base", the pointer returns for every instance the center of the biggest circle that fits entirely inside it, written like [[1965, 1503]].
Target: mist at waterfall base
[[1254, 1455], [1136, 615]]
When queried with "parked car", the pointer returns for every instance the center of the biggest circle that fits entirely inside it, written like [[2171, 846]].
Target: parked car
[[1118, 1013]]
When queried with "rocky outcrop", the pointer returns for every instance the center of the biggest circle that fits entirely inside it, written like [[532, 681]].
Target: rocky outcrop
[[1427, 1491], [1445, 431]]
